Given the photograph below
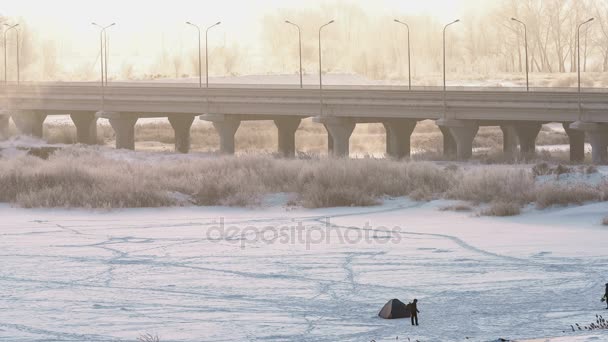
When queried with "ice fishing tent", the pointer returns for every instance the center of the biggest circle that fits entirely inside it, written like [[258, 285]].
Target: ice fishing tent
[[394, 309]]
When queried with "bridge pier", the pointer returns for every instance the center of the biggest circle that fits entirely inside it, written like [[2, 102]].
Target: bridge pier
[[124, 128], [463, 132], [577, 143], [526, 134], [86, 127], [340, 130], [449, 144], [30, 122], [330, 143], [598, 137], [4, 124], [287, 128], [510, 140], [226, 126], [398, 134], [181, 127]]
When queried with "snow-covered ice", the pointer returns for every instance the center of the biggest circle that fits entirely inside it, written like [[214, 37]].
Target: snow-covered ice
[[284, 274]]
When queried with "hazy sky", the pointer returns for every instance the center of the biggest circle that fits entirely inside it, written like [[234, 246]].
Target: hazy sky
[[143, 27]]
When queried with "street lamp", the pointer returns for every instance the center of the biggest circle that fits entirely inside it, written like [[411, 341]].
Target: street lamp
[[104, 60], [300, 44], [409, 56], [103, 52], [578, 48], [526, 47], [321, 68], [10, 27], [200, 67], [207, 51], [444, 82]]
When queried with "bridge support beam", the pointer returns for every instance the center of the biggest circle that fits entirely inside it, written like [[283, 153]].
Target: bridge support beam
[[449, 144], [510, 140], [577, 143], [181, 127], [226, 126], [287, 128], [598, 137], [30, 122], [330, 143], [340, 130], [86, 127], [526, 134], [4, 124], [124, 128], [463, 132], [398, 134]]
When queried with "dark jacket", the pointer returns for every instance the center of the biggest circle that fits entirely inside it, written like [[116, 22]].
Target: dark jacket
[[414, 309]]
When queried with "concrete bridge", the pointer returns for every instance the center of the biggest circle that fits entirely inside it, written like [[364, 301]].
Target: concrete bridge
[[518, 113]]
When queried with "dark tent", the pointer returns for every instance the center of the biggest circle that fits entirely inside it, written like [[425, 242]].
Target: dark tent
[[394, 309]]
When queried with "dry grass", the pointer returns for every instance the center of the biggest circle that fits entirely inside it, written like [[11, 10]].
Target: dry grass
[[459, 207], [502, 209], [93, 178], [494, 184], [148, 338], [556, 194]]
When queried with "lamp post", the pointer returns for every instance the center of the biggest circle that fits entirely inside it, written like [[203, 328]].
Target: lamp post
[[200, 66], [578, 48], [321, 69], [526, 48], [10, 27], [103, 52], [444, 81], [300, 45], [104, 60], [207, 51], [409, 55]]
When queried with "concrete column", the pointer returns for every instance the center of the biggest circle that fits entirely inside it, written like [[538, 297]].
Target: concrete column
[[510, 140], [124, 128], [398, 134], [30, 122], [599, 143], [4, 125], [181, 127], [449, 144], [330, 142], [226, 127], [340, 130], [463, 132], [86, 127], [287, 128], [598, 137], [526, 134], [577, 143]]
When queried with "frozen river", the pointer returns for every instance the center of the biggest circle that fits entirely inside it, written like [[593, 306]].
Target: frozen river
[[278, 274]]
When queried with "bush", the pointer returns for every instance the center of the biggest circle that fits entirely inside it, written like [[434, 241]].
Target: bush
[[555, 194], [460, 207], [541, 169], [502, 209], [494, 184]]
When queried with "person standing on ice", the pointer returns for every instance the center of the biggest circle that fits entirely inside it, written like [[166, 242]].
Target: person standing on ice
[[414, 311], [605, 298]]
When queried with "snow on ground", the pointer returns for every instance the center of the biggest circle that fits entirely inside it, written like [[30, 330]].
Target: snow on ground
[[285, 274]]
